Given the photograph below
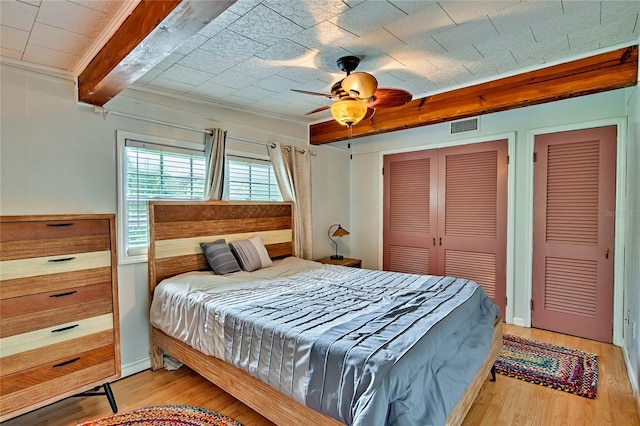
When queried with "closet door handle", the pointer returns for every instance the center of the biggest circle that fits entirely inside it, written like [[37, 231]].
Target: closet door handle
[[434, 241], [440, 240], [606, 253]]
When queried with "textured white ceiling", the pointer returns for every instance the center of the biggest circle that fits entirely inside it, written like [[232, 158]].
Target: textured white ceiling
[[55, 33], [256, 51]]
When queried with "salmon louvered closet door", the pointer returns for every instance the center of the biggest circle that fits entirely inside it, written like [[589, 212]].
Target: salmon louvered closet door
[[573, 232], [445, 213], [410, 220], [474, 203]]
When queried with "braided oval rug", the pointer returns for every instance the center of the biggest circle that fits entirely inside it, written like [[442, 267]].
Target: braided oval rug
[[549, 365], [169, 415]]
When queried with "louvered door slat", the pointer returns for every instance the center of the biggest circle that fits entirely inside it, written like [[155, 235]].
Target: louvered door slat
[[571, 286], [479, 267], [471, 188], [572, 192], [409, 186], [411, 260]]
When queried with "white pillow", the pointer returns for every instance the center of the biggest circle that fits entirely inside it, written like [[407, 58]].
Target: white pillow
[[251, 254]]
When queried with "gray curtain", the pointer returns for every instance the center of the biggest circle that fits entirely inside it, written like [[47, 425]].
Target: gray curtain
[[292, 167], [215, 141]]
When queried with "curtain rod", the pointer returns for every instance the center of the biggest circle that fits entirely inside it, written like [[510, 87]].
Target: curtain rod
[[271, 144], [178, 126], [150, 120], [249, 140]]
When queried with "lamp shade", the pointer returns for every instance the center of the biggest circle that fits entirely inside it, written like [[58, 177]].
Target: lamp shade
[[348, 111], [360, 85], [340, 232]]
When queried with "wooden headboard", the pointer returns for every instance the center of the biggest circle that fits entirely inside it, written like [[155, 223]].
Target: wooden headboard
[[176, 229]]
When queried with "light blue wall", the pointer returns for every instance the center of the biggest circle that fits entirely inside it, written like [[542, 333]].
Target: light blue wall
[[632, 246]]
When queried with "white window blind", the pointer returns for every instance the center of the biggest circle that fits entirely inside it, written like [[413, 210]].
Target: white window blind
[[250, 179], [157, 172]]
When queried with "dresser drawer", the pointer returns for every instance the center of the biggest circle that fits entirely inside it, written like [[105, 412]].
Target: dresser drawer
[[48, 354], [54, 282], [27, 239], [69, 262], [45, 337], [29, 313], [63, 375]]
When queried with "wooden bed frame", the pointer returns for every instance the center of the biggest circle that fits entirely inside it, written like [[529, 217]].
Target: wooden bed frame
[[176, 230]]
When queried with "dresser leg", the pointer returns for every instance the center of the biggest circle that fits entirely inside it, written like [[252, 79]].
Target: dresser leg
[[107, 392], [110, 397]]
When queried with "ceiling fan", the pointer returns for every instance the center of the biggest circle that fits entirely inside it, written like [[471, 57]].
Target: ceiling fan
[[358, 95]]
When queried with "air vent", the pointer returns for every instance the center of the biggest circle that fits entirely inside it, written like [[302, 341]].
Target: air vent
[[464, 126]]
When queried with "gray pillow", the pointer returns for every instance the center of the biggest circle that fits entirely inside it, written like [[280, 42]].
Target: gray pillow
[[220, 257], [251, 254]]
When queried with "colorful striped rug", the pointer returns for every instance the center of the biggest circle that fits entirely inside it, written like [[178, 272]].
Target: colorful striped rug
[[549, 365], [168, 415]]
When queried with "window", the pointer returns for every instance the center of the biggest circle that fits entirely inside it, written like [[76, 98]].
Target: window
[[153, 170], [250, 179]]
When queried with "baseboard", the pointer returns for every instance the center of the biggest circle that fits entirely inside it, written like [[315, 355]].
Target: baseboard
[[633, 378], [136, 367], [518, 321]]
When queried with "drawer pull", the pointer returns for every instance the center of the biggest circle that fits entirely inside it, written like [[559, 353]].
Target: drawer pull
[[62, 364], [59, 224], [64, 259], [69, 293], [57, 330]]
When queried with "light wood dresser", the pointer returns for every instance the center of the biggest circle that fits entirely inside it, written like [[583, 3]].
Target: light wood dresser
[[59, 329]]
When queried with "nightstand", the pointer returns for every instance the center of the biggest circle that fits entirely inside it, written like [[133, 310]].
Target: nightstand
[[354, 263]]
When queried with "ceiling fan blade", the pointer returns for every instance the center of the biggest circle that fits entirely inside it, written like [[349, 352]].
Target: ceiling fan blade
[[306, 92], [389, 98], [369, 114], [322, 108]]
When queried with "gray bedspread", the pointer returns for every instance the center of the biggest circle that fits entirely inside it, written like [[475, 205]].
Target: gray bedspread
[[384, 348]]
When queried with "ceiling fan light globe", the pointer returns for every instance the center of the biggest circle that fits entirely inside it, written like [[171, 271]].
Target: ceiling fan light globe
[[348, 111], [362, 84]]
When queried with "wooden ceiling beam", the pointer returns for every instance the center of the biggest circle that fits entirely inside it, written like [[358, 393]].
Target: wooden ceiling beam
[[154, 29], [599, 73]]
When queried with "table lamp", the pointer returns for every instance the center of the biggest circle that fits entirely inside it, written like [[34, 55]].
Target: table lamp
[[339, 232]]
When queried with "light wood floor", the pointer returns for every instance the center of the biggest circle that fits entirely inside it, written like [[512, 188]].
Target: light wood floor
[[506, 402]]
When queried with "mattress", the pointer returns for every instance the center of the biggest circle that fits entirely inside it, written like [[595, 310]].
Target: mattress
[[364, 347]]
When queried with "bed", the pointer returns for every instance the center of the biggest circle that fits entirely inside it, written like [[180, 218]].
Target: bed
[[370, 388]]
